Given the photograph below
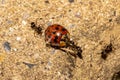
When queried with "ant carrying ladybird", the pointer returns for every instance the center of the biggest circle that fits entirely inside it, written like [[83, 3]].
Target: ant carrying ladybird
[[57, 37], [106, 51]]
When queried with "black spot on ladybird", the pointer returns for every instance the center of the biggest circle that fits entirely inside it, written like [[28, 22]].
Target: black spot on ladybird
[[57, 28], [53, 32], [56, 38], [63, 29], [49, 36]]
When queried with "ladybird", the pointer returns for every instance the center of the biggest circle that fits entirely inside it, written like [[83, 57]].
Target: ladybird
[[57, 36]]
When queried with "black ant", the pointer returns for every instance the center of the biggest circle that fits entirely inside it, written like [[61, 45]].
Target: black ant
[[38, 29], [76, 49], [116, 76], [106, 51], [72, 46]]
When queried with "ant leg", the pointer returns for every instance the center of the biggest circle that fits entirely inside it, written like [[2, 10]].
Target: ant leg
[[79, 51], [68, 52], [76, 49]]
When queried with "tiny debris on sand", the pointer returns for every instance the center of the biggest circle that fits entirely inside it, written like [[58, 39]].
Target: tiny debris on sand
[[7, 46]]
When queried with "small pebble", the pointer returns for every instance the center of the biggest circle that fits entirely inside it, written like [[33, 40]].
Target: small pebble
[[2, 1], [48, 66], [9, 21], [78, 15], [50, 20], [29, 64], [53, 51], [59, 73], [24, 22], [14, 49], [7, 46], [49, 63], [72, 25], [11, 29], [25, 15], [47, 1], [18, 38], [71, 1], [49, 23], [110, 20], [71, 39]]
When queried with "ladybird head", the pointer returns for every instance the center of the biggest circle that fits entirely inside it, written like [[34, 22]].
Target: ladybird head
[[56, 35]]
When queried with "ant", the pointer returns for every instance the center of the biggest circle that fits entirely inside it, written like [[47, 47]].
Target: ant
[[116, 76], [75, 48], [72, 46], [106, 51], [38, 29], [77, 51]]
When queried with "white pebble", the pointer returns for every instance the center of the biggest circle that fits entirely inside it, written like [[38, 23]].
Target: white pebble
[[11, 29], [77, 14], [86, 46], [14, 49], [24, 22], [71, 39], [59, 73], [53, 51], [18, 38]]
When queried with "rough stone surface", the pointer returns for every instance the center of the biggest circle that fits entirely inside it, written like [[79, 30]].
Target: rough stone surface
[[92, 24]]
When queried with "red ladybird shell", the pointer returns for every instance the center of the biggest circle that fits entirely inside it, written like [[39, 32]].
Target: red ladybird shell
[[54, 34]]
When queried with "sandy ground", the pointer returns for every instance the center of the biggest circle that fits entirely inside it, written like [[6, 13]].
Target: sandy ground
[[93, 24]]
